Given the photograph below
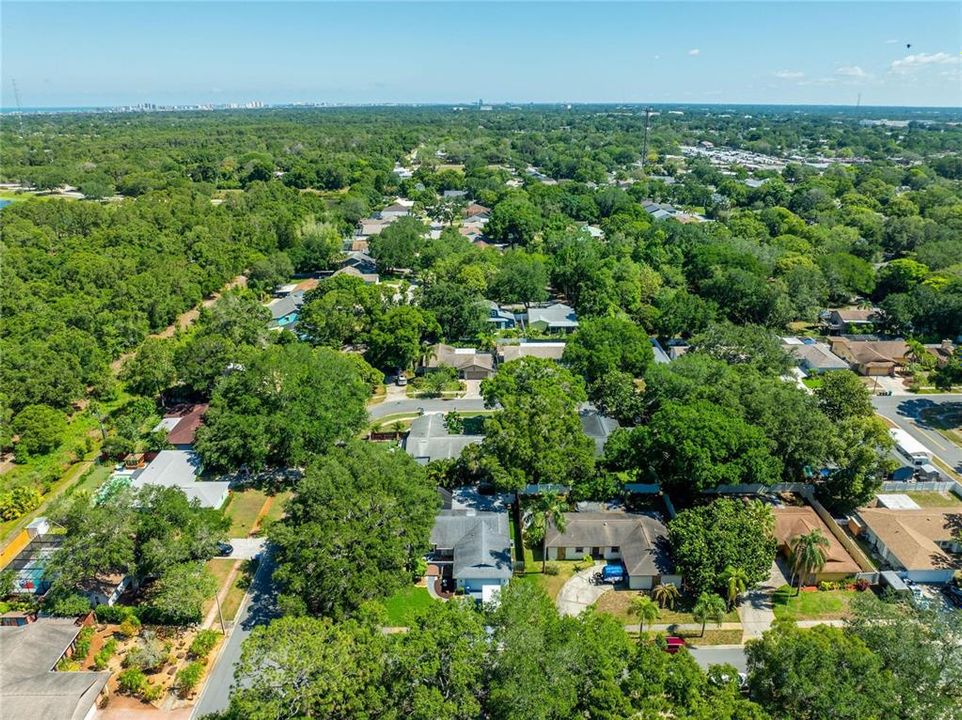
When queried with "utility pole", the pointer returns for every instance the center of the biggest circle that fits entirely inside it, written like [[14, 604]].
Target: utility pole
[[644, 150], [16, 97], [220, 614]]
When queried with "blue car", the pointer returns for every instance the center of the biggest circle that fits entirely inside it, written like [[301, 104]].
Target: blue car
[[611, 574]]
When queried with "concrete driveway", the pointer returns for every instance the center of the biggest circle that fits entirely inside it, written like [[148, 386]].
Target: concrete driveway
[[246, 548], [578, 593], [755, 609]]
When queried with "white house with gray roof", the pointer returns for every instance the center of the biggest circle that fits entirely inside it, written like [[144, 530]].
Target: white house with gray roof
[[180, 469], [553, 318]]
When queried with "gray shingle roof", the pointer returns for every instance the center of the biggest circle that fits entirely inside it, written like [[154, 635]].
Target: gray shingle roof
[[429, 439], [558, 315], [483, 553], [29, 688]]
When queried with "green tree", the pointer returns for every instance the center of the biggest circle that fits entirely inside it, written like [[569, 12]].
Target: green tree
[[861, 451], [514, 220], [749, 344], [646, 610], [339, 311], [457, 309], [286, 404], [666, 595], [400, 337], [818, 674], [809, 555], [355, 530], [842, 395], [151, 370], [604, 345], [708, 607], [724, 533], [178, 597], [549, 509], [522, 277], [735, 580], [41, 429], [398, 245]]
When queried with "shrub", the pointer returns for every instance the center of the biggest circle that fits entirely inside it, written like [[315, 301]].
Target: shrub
[[150, 692], [68, 604], [102, 658], [551, 569], [81, 646], [66, 664], [130, 626], [862, 584], [131, 681], [203, 643], [113, 613], [188, 677], [149, 655]]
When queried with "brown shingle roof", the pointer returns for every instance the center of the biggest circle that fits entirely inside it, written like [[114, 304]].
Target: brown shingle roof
[[184, 431], [793, 521], [912, 536], [642, 539]]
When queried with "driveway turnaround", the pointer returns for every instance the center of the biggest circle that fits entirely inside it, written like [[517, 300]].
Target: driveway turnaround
[[578, 593], [755, 610]]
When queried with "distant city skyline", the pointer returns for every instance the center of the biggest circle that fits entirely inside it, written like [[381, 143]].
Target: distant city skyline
[[108, 54]]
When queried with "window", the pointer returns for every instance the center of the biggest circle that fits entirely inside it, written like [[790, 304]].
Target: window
[[615, 549], [579, 549]]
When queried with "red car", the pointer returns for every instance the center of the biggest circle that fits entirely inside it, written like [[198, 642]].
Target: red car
[[673, 644]]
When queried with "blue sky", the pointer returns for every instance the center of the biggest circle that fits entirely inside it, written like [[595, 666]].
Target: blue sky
[[110, 53]]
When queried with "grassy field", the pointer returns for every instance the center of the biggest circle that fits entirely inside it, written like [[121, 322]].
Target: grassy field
[[276, 511], [832, 604], [935, 499], [221, 569], [403, 605], [243, 509], [618, 602]]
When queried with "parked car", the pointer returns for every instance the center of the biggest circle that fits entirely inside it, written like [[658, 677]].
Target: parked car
[[673, 644], [954, 594], [610, 575], [225, 549]]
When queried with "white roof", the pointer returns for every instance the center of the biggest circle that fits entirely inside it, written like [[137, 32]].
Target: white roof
[[179, 468], [897, 501], [907, 443], [167, 424]]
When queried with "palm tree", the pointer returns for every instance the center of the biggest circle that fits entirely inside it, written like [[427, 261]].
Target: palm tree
[[646, 610], [736, 582], [809, 555], [550, 510], [708, 607], [666, 594]]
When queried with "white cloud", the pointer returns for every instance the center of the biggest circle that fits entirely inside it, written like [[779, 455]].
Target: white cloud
[[789, 74], [852, 71], [694, 52], [913, 63]]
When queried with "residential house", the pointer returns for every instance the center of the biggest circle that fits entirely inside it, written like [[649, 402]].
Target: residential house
[[661, 357], [596, 232], [871, 357], [429, 439], [106, 589], [639, 540], [920, 544], [475, 214], [31, 687], [454, 194], [284, 310], [790, 522], [813, 357], [473, 549], [27, 556], [555, 318], [402, 172], [360, 261], [532, 348], [501, 319], [180, 469], [849, 320], [367, 278], [181, 424], [373, 226], [393, 211], [597, 427], [470, 363]]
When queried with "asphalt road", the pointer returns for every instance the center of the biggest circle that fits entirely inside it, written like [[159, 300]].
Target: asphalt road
[[905, 411], [411, 405], [258, 608], [731, 654]]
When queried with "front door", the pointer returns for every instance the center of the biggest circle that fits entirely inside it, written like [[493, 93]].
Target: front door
[[596, 553]]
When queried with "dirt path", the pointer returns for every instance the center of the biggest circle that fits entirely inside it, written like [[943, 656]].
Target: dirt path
[[185, 319], [265, 508]]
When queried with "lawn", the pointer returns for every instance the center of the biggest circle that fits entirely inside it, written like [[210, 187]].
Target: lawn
[[221, 568], [551, 584], [276, 510], [947, 421], [935, 499], [817, 605], [812, 383], [618, 602], [407, 602], [243, 510]]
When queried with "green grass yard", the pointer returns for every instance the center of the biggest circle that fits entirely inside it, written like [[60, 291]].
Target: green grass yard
[[618, 602], [812, 605], [405, 604], [243, 510], [935, 499]]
